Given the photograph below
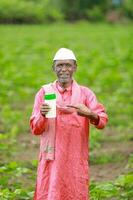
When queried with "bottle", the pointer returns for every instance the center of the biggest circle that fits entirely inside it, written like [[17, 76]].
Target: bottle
[[50, 99]]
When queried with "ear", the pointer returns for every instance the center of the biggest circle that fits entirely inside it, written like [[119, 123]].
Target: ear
[[75, 67], [53, 67]]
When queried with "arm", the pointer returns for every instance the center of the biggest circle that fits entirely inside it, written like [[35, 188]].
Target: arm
[[93, 110], [98, 110], [38, 122]]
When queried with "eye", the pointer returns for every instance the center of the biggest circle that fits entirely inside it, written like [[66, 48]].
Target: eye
[[59, 66], [68, 65]]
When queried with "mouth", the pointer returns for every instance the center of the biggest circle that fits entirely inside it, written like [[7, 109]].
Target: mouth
[[64, 75]]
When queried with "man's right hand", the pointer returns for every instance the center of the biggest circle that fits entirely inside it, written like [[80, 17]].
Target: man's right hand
[[44, 109]]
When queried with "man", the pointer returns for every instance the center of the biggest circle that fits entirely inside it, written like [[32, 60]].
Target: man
[[63, 171]]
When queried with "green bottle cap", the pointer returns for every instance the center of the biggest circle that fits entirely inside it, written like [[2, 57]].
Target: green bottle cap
[[50, 96]]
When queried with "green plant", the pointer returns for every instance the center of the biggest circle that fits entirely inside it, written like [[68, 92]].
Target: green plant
[[128, 8], [95, 14], [121, 188]]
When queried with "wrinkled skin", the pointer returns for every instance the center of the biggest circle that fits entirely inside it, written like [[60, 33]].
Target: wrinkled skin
[[64, 70]]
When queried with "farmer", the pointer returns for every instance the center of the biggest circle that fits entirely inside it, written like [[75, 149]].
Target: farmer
[[63, 171]]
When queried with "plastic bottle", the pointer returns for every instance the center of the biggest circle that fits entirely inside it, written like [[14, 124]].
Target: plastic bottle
[[50, 99]]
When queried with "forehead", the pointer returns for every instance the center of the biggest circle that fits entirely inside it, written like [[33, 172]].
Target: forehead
[[64, 62]]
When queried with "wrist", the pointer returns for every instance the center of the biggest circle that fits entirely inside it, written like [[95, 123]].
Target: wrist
[[94, 118]]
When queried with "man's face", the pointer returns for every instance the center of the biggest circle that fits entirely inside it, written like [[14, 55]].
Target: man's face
[[64, 70]]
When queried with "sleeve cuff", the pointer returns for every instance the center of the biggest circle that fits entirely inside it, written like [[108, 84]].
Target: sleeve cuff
[[102, 122], [39, 124]]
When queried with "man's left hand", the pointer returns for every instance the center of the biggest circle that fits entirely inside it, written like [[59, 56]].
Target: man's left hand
[[84, 111], [81, 109]]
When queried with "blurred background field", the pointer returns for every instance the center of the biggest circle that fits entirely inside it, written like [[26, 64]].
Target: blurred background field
[[105, 56], [47, 11]]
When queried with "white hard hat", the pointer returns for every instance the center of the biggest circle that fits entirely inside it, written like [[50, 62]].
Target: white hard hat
[[64, 54]]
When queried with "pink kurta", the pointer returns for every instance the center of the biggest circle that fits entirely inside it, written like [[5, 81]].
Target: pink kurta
[[66, 177]]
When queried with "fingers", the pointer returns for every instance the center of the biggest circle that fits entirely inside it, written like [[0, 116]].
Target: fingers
[[80, 114], [45, 105], [44, 109], [71, 106]]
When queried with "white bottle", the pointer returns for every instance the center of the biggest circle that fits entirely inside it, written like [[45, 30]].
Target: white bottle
[[50, 99]]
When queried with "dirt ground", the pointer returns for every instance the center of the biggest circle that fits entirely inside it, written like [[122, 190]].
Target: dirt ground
[[99, 172]]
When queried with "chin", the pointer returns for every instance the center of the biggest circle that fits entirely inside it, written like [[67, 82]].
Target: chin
[[64, 80]]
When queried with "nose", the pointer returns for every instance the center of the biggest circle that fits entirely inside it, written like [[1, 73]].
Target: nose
[[64, 67]]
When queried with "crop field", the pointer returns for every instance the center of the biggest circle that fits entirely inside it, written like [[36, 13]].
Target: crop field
[[105, 64]]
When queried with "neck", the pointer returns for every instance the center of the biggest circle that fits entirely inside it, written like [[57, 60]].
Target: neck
[[65, 85]]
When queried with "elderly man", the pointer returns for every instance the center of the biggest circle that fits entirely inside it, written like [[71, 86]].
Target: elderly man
[[63, 171]]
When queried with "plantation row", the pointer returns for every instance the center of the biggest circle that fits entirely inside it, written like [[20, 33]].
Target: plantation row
[[18, 177]]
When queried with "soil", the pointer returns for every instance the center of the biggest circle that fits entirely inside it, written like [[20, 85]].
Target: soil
[[116, 144]]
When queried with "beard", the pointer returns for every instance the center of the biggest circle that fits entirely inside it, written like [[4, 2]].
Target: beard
[[64, 79]]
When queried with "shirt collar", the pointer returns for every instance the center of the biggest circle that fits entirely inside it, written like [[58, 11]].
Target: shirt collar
[[61, 90]]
